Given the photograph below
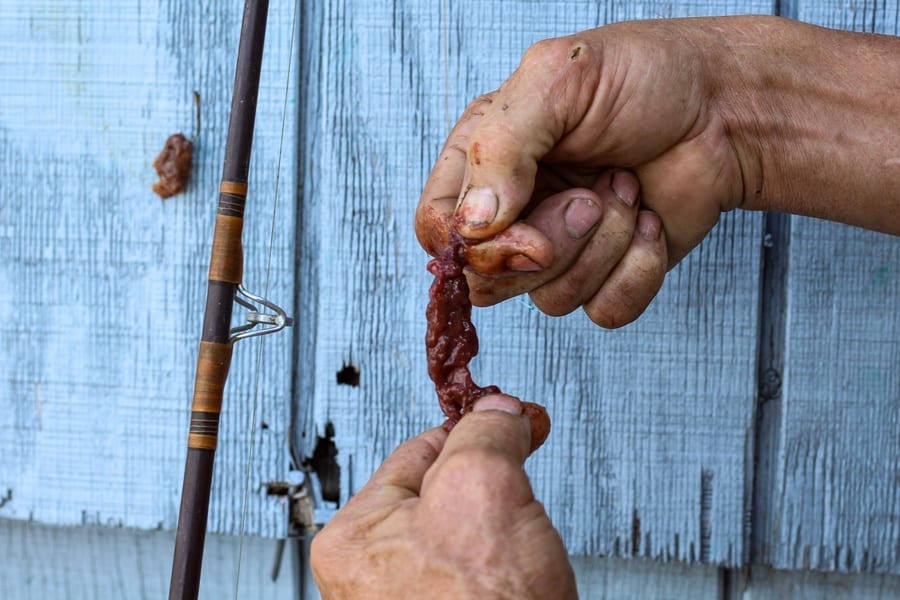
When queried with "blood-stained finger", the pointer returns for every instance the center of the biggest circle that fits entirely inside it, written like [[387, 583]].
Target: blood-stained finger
[[518, 268], [541, 102], [434, 213]]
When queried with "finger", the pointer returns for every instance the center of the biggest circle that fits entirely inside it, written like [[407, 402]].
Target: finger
[[434, 213], [486, 449], [400, 475], [671, 182], [607, 245], [398, 480], [546, 97], [589, 231], [634, 282], [517, 272], [511, 437], [518, 248]]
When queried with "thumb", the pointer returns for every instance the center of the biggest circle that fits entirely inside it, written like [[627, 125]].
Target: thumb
[[530, 113], [483, 455], [499, 424]]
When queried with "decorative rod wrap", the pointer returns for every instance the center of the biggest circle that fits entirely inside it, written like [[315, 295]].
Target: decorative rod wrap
[[225, 271]]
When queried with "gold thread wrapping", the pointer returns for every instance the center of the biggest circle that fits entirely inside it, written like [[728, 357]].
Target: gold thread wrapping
[[213, 362], [202, 442], [227, 260], [235, 188]]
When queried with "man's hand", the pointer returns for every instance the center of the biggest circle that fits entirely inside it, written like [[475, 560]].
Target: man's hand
[[448, 516], [608, 155], [527, 171]]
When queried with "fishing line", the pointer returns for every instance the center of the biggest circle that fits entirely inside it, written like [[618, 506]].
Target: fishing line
[[445, 58], [259, 353]]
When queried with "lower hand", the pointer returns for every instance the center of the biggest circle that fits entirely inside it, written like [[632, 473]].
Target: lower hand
[[448, 516]]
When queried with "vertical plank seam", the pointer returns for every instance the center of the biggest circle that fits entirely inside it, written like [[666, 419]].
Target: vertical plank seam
[[770, 370], [305, 330], [303, 434], [786, 8], [770, 367]]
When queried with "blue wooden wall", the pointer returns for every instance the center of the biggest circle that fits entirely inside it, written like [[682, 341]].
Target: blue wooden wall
[[753, 413], [100, 310]]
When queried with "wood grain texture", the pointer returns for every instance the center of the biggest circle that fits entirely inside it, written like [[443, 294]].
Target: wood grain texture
[[769, 584], [829, 485], [103, 293], [90, 563], [650, 452], [602, 578], [833, 491], [85, 563]]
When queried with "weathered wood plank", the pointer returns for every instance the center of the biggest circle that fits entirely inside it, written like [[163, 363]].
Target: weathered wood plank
[[601, 578], [98, 562], [88, 563], [651, 449], [765, 584], [834, 495], [829, 485], [103, 283]]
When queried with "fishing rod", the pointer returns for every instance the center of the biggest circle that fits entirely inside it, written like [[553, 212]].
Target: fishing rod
[[224, 289]]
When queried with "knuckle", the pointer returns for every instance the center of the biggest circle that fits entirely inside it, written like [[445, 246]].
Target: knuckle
[[321, 550], [648, 266], [562, 51], [627, 296], [486, 145], [487, 290], [478, 106], [482, 472], [457, 145], [603, 315], [556, 302]]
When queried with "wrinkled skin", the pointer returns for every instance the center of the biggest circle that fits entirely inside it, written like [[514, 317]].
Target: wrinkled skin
[[608, 155], [448, 516], [660, 123]]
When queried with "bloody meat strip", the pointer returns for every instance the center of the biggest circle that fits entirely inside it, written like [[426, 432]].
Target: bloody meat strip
[[451, 342]]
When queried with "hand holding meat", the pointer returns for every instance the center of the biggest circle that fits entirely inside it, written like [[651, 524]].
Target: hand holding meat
[[608, 155], [448, 516]]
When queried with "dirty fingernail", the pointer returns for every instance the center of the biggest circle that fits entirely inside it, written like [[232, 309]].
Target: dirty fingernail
[[540, 423], [649, 226], [626, 187], [500, 402], [520, 262], [477, 208], [581, 216]]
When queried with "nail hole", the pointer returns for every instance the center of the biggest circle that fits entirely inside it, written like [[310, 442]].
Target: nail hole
[[278, 488], [349, 375], [324, 462]]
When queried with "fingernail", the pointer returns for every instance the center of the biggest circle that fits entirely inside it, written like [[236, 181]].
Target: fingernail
[[625, 186], [649, 226], [520, 262], [477, 208], [540, 423], [500, 402], [581, 216]]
